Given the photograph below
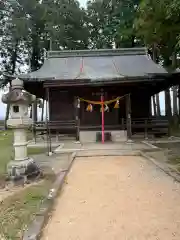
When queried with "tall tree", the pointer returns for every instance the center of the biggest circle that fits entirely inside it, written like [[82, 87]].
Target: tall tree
[[111, 23], [158, 23], [66, 24]]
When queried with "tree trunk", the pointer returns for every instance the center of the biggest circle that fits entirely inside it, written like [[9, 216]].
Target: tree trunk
[[175, 107], [175, 95], [13, 63], [154, 57], [7, 111], [133, 41], [36, 55], [168, 103], [158, 113], [154, 106], [6, 116], [168, 110]]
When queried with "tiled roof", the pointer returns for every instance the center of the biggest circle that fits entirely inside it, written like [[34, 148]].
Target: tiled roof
[[96, 65]]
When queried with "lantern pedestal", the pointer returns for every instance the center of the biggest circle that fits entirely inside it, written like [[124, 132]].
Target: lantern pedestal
[[22, 165]]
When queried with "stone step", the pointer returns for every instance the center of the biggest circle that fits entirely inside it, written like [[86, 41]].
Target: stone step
[[90, 136]]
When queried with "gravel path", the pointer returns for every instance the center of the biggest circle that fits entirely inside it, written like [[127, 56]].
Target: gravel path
[[109, 198]]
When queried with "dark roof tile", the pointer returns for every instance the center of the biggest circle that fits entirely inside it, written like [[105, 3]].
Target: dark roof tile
[[95, 65]]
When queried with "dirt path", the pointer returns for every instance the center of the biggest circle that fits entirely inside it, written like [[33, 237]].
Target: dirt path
[[109, 198]]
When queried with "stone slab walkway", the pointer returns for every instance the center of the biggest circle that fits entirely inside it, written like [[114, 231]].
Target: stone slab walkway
[[113, 198], [70, 146]]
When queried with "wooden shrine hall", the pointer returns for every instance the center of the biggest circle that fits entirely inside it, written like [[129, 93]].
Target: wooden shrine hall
[[75, 82]]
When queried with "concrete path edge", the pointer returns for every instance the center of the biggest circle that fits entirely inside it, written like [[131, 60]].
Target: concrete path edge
[[35, 228], [166, 169]]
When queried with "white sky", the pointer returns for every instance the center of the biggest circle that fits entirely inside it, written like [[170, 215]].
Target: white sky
[[83, 2]]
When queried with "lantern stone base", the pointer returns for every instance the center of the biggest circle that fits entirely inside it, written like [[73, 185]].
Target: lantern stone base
[[22, 169]]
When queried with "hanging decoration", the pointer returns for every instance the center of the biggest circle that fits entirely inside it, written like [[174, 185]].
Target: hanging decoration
[[103, 107], [99, 102], [89, 108], [105, 103], [78, 103], [106, 108], [116, 104]]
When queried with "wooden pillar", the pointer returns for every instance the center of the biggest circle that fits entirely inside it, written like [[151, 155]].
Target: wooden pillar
[[122, 124], [47, 122], [158, 110], [42, 114], [150, 107], [146, 129], [34, 112], [128, 116], [154, 106]]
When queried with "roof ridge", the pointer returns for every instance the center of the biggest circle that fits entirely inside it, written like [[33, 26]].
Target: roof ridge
[[97, 52]]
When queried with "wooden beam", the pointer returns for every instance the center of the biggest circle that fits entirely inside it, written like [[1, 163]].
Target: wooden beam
[[77, 118], [47, 121], [128, 116], [34, 111]]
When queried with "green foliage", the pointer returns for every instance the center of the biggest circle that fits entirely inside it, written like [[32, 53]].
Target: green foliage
[[111, 23], [158, 24], [29, 27], [65, 24]]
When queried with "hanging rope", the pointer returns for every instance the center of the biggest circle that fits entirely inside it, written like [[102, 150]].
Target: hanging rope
[[116, 104], [104, 103]]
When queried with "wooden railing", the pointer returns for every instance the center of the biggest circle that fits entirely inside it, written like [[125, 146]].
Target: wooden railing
[[144, 125], [69, 127], [55, 125], [150, 126], [149, 123]]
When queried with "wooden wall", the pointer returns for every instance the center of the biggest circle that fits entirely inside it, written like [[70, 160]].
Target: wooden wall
[[62, 105], [140, 107]]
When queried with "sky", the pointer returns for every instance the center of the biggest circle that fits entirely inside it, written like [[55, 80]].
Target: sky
[[3, 106], [83, 2]]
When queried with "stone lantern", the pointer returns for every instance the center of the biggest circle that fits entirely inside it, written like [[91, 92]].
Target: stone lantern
[[19, 121]]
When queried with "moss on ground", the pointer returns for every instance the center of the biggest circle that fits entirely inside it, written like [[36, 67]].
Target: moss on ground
[[174, 160], [17, 211]]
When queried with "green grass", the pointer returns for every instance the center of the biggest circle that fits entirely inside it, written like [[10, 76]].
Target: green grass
[[35, 150], [6, 149], [7, 152], [19, 210], [174, 161]]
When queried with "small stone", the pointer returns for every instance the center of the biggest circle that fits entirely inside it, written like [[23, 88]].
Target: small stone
[[6, 188]]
